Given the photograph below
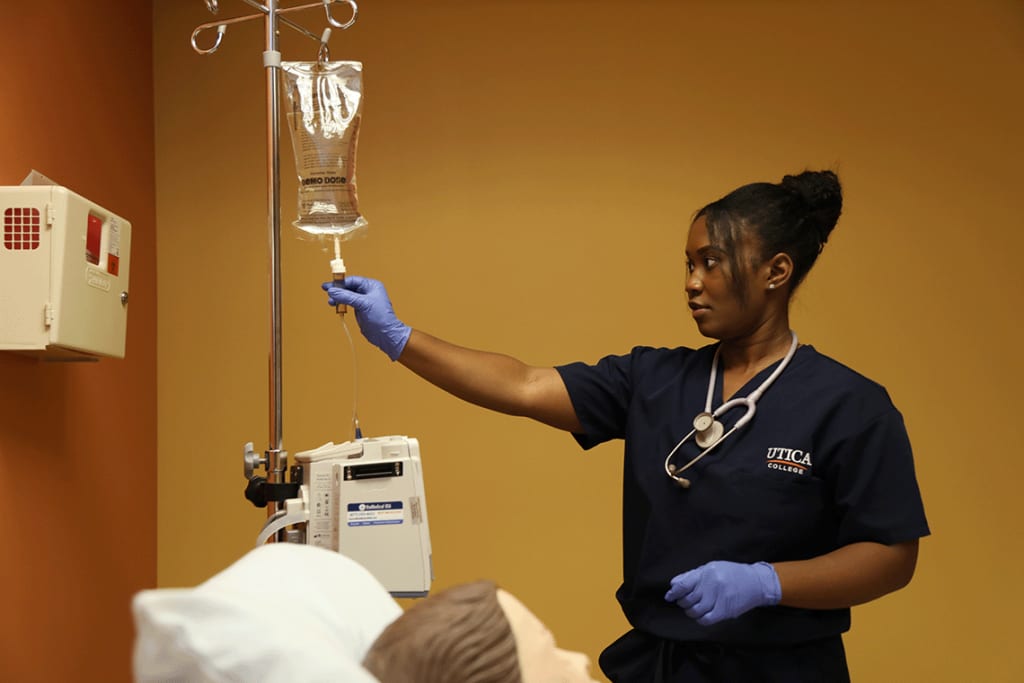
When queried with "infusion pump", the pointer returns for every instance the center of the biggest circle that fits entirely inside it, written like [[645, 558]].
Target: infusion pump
[[364, 499]]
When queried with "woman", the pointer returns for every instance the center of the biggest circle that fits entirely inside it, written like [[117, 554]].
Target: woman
[[746, 538]]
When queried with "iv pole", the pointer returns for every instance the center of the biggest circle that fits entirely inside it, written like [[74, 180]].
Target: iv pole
[[275, 463], [275, 459]]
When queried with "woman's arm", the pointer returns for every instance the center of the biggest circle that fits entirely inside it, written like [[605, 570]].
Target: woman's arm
[[852, 575], [491, 380]]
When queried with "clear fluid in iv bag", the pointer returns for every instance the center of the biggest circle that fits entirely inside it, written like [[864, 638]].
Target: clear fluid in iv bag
[[324, 118]]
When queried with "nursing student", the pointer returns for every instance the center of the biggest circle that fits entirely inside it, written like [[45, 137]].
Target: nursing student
[[767, 488]]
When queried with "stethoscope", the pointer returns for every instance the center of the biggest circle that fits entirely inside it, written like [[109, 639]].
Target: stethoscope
[[707, 431]]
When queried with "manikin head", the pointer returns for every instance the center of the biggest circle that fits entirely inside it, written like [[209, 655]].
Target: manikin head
[[472, 633]]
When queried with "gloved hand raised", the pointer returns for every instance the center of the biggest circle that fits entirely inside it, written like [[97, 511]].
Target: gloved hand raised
[[722, 590], [374, 314]]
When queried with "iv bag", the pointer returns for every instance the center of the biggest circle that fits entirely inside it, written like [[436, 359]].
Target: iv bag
[[326, 108]]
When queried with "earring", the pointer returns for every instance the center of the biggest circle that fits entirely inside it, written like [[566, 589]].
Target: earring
[[771, 285]]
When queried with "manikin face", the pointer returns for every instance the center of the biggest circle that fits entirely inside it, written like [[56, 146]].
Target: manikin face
[[540, 660], [722, 308]]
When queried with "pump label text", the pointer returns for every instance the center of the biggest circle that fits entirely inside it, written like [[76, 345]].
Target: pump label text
[[370, 514]]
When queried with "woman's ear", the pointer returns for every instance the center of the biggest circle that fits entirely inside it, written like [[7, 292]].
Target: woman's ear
[[780, 270]]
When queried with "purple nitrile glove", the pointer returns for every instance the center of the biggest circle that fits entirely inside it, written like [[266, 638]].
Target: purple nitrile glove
[[374, 314], [722, 590]]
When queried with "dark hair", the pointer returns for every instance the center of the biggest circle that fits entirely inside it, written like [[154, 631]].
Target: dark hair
[[794, 217], [460, 635]]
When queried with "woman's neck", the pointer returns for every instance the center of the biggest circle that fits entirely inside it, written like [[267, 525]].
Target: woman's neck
[[750, 354]]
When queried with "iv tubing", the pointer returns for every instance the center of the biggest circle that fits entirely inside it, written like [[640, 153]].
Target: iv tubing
[[355, 381], [338, 272]]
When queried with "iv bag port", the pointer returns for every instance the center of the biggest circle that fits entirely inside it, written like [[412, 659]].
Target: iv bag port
[[373, 471]]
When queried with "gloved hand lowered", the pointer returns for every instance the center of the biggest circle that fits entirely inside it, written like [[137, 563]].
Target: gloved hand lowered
[[374, 314], [721, 590]]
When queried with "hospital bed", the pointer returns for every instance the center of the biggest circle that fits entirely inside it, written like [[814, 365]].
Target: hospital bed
[[299, 613]]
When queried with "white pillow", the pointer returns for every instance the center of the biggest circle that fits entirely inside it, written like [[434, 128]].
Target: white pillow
[[283, 612]]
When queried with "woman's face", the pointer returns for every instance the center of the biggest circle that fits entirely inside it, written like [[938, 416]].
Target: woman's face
[[726, 294]]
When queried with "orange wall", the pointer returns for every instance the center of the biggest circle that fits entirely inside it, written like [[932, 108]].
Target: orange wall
[[528, 169], [78, 441]]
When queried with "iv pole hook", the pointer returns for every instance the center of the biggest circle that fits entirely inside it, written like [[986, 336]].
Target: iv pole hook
[[222, 26], [337, 24], [221, 30]]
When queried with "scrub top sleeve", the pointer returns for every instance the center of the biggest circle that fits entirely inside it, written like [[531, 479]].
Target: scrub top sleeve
[[876, 486], [600, 395]]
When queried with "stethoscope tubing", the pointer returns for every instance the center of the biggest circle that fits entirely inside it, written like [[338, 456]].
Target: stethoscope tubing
[[750, 402]]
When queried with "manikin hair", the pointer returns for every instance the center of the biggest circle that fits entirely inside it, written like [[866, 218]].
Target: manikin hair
[[460, 635], [795, 217]]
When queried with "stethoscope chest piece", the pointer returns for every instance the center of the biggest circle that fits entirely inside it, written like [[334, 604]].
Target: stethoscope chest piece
[[703, 421], [709, 430]]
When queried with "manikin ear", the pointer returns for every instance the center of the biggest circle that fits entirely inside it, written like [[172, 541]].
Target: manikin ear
[[779, 269]]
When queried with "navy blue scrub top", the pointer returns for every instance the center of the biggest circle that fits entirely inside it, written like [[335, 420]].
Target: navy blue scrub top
[[825, 462]]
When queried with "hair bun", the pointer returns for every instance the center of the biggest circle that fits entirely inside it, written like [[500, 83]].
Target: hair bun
[[823, 195]]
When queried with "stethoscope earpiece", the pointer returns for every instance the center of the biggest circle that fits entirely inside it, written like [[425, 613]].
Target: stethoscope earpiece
[[682, 482]]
